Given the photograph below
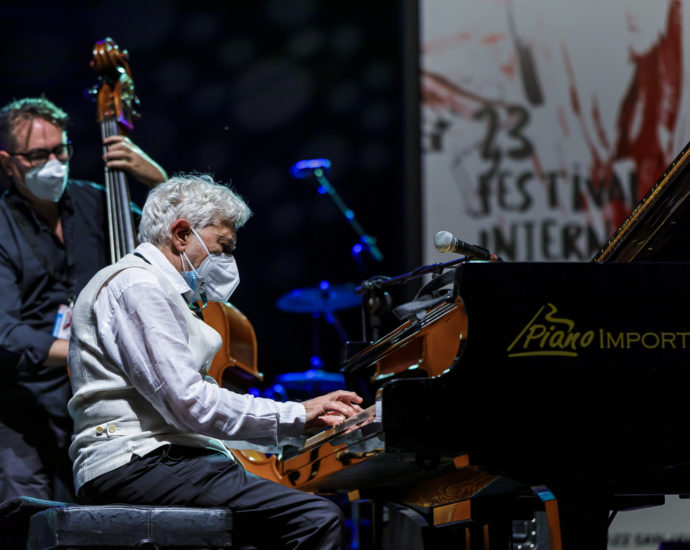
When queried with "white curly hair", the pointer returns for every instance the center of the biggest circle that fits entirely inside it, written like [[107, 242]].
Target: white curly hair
[[194, 197]]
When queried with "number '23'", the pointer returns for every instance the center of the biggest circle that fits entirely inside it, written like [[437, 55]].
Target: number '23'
[[518, 117]]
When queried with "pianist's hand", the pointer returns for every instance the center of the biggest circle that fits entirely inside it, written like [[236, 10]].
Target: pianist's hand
[[330, 409]]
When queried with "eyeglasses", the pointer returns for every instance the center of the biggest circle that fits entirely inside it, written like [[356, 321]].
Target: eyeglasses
[[37, 157]]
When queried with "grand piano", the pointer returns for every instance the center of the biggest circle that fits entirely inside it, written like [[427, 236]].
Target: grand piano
[[527, 386]]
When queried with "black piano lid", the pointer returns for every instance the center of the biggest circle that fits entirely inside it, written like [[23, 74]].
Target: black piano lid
[[658, 228]]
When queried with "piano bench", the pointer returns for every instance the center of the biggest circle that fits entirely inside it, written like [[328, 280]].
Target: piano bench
[[126, 526]]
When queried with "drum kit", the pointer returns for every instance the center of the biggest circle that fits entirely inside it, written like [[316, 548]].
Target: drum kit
[[321, 301]]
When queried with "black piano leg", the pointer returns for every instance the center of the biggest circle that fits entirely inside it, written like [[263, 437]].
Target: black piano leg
[[460, 536], [490, 536], [584, 522], [369, 530], [469, 535], [476, 537]]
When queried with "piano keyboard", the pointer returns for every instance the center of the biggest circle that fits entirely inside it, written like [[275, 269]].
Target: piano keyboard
[[368, 414]]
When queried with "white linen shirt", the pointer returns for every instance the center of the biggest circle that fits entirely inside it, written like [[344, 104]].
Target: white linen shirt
[[143, 332]]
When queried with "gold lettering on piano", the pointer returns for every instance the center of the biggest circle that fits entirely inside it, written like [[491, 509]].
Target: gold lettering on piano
[[547, 334], [646, 340]]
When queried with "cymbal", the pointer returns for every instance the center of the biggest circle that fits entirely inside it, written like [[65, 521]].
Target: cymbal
[[325, 298], [312, 379]]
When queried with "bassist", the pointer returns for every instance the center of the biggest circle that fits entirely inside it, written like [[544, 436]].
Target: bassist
[[52, 240]]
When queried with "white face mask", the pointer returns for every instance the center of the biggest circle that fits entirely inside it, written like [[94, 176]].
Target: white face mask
[[215, 279], [47, 182]]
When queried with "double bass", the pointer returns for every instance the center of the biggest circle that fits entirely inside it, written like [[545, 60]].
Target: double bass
[[235, 364]]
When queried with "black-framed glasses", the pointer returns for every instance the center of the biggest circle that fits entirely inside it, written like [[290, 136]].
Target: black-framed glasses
[[36, 157]]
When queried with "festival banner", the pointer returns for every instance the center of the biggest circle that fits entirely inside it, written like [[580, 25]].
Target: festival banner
[[545, 121]]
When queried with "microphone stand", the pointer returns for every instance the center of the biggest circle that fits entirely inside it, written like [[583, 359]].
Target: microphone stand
[[376, 302], [367, 241], [317, 167]]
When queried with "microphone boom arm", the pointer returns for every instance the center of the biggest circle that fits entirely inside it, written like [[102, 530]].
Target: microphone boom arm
[[367, 241]]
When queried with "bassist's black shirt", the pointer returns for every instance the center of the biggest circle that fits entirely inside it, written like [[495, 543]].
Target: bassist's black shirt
[[37, 274]]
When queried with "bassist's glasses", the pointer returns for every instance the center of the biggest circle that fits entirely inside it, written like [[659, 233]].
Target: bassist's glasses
[[36, 157]]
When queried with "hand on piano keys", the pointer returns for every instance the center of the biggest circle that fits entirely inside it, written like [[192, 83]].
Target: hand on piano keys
[[351, 424], [330, 409]]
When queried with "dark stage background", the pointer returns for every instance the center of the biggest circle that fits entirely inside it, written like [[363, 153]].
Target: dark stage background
[[243, 90]]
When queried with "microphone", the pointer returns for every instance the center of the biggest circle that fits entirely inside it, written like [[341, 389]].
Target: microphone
[[305, 168], [444, 241]]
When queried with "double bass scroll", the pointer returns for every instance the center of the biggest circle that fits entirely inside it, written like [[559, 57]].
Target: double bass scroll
[[116, 103]]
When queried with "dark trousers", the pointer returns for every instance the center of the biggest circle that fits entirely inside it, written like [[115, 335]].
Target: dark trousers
[[265, 514], [33, 449]]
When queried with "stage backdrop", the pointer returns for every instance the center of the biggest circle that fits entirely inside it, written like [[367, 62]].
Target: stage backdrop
[[545, 121]]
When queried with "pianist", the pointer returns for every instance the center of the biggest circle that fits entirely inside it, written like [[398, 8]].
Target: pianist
[[148, 424]]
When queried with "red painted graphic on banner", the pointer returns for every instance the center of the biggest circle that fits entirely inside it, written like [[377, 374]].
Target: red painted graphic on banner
[[647, 119], [654, 95]]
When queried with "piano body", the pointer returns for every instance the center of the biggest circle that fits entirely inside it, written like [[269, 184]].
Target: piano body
[[562, 380]]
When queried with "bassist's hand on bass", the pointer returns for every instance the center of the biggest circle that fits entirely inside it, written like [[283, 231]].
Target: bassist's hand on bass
[[123, 154]]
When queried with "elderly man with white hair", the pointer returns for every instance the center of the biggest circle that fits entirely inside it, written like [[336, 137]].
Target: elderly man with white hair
[[148, 424]]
